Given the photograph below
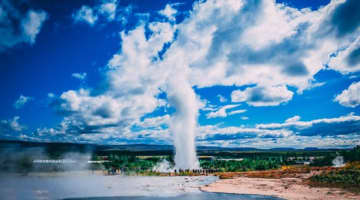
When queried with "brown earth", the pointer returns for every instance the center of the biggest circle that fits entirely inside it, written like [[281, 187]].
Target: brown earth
[[288, 183]]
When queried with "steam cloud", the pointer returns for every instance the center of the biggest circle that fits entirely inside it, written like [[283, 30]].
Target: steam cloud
[[183, 123]]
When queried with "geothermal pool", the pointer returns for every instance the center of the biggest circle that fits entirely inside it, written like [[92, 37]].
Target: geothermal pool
[[81, 186], [197, 196]]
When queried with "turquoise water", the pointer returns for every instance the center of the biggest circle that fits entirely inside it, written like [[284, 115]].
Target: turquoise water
[[197, 196]]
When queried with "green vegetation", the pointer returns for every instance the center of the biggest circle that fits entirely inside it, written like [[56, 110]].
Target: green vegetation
[[323, 161], [352, 155], [132, 163], [135, 164], [244, 165], [345, 178]]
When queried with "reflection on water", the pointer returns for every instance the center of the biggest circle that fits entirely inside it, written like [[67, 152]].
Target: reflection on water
[[70, 185], [192, 196]]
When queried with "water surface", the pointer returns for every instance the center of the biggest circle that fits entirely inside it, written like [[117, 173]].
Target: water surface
[[192, 196], [87, 186]]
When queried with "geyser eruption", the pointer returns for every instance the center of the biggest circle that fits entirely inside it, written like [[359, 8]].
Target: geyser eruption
[[338, 161], [183, 122]]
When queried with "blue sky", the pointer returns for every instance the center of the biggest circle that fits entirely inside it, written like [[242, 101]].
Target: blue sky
[[250, 73]]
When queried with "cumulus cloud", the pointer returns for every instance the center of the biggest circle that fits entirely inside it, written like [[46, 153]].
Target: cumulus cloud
[[287, 142], [290, 56], [240, 63], [219, 43], [80, 76], [155, 122], [350, 97], [344, 23], [32, 24], [21, 101], [85, 14], [89, 113], [168, 12], [347, 60], [262, 96], [132, 91], [341, 131], [91, 15], [9, 127], [349, 124], [18, 26], [216, 132], [345, 18], [222, 111], [108, 9], [222, 99]]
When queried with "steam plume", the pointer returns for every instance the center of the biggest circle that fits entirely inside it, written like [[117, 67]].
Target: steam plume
[[183, 123]]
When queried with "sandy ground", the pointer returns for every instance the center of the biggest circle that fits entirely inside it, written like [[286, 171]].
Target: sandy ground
[[287, 188]]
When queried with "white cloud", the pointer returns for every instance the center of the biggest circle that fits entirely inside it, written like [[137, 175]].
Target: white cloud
[[51, 95], [350, 97], [80, 76], [286, 142], [288, 56], [32, 24], [239, 63], [293, 119], [234, 112], [276, 20], [215, 132], [155, 121], [9, 127], [108, 9], [222, 99], [101, 110], [168, 12], [21, 101], [132, 91], [91, 15], [221, 112], [19, 25], [347, 60], [341, 131], [85, 14], [315, 85], [348, 123], [262, 96]]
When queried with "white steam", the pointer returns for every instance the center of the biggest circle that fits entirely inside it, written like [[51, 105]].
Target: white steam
[[183, 122], [338, 161], [163, 166]]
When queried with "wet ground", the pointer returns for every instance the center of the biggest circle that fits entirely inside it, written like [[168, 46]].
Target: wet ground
[[191, 196], [75, 186]]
